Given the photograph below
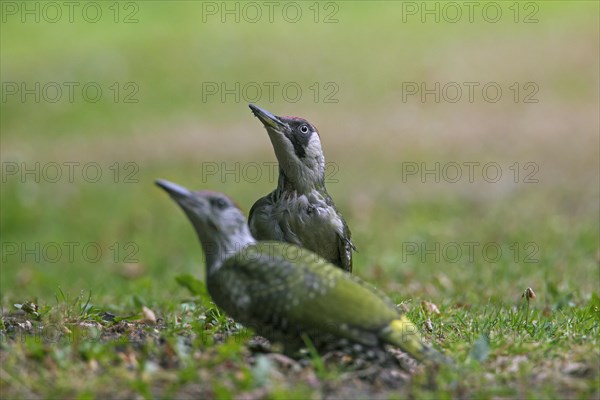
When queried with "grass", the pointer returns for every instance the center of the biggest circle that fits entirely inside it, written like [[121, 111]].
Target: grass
[[135, 320]]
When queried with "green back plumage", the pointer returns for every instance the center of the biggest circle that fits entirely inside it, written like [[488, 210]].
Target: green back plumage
[[293, 289]]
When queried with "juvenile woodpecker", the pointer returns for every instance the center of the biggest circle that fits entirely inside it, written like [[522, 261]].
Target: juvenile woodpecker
[[283, 291], [299, 210]]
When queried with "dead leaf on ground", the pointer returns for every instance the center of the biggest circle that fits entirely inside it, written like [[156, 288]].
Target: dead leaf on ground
[[430, 307], [149, 315]]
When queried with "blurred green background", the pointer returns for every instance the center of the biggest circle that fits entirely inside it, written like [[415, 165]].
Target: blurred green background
[[155, 62]]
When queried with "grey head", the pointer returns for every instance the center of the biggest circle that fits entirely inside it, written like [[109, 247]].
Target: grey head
[[297, 146], [219, 223]]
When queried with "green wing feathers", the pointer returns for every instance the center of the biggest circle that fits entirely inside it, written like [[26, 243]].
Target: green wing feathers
[[306, 290]]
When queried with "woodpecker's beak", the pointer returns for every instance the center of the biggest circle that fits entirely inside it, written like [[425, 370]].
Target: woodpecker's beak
[[182, 196], [269, 120], [194, 205], [174, 190]]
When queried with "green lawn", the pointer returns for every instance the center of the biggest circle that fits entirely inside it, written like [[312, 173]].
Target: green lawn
[[88, 240]]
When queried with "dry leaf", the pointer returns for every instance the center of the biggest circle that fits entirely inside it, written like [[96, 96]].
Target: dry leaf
[[430, 307], [149, 315]]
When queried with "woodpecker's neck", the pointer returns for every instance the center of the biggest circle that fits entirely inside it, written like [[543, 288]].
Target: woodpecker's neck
[[218, 247], [297, 177]]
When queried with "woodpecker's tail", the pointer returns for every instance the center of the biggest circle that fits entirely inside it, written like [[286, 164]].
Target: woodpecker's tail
[[404, 334]]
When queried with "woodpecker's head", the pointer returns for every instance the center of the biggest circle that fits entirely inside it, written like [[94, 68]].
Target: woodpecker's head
[[219, 223], [297, 146]]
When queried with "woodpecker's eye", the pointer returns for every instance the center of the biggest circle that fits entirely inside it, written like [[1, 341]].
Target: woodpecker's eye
[[304, 129], [219, 203]]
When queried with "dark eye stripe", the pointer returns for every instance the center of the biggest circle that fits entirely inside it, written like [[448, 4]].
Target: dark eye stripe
[[300, 139], [299, 146]]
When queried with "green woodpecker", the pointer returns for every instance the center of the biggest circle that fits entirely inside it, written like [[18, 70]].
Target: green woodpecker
[[299, 210], [283, 291]]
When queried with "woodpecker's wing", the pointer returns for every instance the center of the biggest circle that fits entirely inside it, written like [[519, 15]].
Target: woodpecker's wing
[[293, 289], [262, 225], [345, 248], [265, 226]]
